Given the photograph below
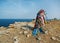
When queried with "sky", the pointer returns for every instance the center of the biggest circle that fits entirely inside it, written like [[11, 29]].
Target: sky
[[28, 9]]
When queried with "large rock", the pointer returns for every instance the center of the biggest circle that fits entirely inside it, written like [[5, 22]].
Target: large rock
[[17, 26], [21, 32], [31, 24], [25, 32], [2, 28], [16, 40], [4, 32], [53, 38], [28, 35], [11, 26], [24, 28]]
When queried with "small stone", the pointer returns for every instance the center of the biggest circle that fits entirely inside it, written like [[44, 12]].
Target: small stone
[[28, 35], [59, 36], [46, 32], [21, 32], [25, 32], [16, 39], [53, 38], [1, 27], [39, 38], [11, 26], [24, 28]]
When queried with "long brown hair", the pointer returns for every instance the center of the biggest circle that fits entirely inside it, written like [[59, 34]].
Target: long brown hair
[[41, 11]]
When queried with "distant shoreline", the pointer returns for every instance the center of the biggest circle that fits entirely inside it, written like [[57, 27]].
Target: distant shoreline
[[6, 22]]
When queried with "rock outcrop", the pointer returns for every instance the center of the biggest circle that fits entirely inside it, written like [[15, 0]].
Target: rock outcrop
[[21, 32]]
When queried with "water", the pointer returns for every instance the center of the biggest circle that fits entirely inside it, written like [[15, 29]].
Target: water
[[6, 22]]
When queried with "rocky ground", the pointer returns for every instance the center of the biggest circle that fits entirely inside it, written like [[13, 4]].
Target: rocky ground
[[21, 32]]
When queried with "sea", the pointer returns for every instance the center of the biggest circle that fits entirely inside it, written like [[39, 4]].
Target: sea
[[6, 22]]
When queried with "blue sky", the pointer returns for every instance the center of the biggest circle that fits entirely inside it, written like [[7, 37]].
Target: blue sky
[[27, 9]]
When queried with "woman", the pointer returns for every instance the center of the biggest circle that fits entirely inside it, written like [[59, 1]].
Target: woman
[[40, 22]]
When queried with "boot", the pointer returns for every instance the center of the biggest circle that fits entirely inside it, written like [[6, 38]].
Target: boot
[[41, 30]]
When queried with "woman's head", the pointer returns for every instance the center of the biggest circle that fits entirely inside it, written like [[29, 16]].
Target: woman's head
[[42, 12]]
